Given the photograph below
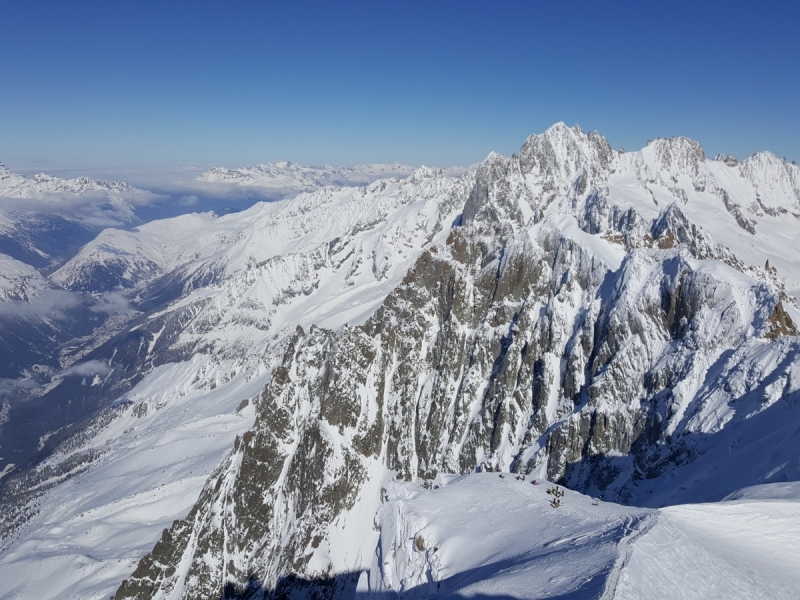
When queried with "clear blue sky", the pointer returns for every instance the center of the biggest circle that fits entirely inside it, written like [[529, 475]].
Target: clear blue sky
[[432, 82]]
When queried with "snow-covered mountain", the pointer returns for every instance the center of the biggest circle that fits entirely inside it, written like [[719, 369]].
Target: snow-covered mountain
[[19, 281], [93, 202], [602, 319], [45, 219], [36, 317], [13, 185], [289, 176]]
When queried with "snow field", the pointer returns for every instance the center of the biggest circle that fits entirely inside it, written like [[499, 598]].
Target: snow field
[[482, 535], [748, 548]]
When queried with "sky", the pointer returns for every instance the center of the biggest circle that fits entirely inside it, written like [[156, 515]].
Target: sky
[[144, 85]]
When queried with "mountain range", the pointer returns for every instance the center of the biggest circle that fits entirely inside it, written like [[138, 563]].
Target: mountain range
[[339, 393], [291, 177]]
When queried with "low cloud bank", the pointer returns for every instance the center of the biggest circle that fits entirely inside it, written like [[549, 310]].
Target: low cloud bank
[[47, 304], [11, 386], [96, 209], [54, 305], [111, 303], [88, 368]]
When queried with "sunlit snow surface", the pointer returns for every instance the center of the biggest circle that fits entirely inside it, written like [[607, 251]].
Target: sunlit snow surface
[[748, 547], [489, 537]]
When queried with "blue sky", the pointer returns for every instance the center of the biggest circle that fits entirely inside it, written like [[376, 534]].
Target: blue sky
[[444, 83]]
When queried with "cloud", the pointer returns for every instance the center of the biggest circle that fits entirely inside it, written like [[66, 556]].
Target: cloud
[[48, 303], [88, 368], [95, 208], [111, 303], [160, 194], [55, 305], [189, 200], [30, 381], [10, 386], [223, 192]]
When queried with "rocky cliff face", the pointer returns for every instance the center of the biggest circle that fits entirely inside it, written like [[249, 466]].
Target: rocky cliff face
[[558, 331]]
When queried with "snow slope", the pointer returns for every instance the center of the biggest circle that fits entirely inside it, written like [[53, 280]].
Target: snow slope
[[752, 208], [326, 257], [340, 251], [482, 536], [743, 548], [19, 281]]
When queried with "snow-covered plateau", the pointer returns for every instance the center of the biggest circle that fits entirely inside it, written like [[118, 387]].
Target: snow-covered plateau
[[349, 393]]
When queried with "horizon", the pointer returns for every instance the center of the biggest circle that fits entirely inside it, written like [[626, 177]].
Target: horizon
[[100, 87], [512, 323], [154, 174]]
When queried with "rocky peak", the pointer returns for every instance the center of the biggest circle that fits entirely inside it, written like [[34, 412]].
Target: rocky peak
[[561, 154], [483, 199], [676, 155], [561, 163], [728, 159], [424, 172]]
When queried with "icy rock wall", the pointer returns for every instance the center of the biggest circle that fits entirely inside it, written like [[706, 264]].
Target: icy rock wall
[[524, 355]]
